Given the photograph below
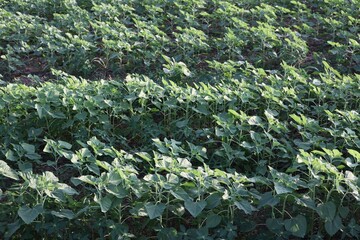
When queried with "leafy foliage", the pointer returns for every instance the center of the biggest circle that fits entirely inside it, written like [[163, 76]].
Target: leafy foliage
[[113, 38]]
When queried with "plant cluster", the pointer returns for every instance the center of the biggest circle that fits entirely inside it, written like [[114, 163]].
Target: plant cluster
[[186, 162], [103, 39]]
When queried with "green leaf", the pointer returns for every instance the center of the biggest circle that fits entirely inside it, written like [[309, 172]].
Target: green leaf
[[117, 190], [25, 167], [195, 208], [297, 119], [186, 71], [155, 210], [355, 154], [182, 124], [213, 220], [87, 179], [10, 155], [344, 211], [255, 120], [354, 228], [28, 148], [103, 164], [171, 181], [172, 178], [202, 109], [104, 202], [177, 209], [6, 171], [64, 213], [246, 225], [33, 156], [181, 194], [268, 199], [81, 116], [213, 200], [234, 113], [274, 224], [184, 163], [12, 228], [280, 188], [145, 156], [49, 146], [28, 215], [58, 115], [39, 110], [64, 145], [333, 226], [30, 151], [66, 189], [160, 146], [297, 226], [327, 211], [245, 206], [306, 202], [93, 168]]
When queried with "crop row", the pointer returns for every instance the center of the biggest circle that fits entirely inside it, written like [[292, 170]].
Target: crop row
[[138, 158], [113, 38]]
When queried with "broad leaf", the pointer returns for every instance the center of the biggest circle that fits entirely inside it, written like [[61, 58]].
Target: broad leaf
[[12, 228], [155, 210], [28, 215], [213, 220], [245, 206], [355, 154], [255, 120], [327, 211], [274, 224], [104, 202], [297, 119], [213, 200], [181, 194], [64, 213], [280, 188], [333, 226], [28, 148], [66, 189], [297, 226], [64, 145], [39, 110], [246, 225], [195, 208], [87, 179], [6, 171], [306, 202], [117, 190], [268, 199], [182, 124]]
